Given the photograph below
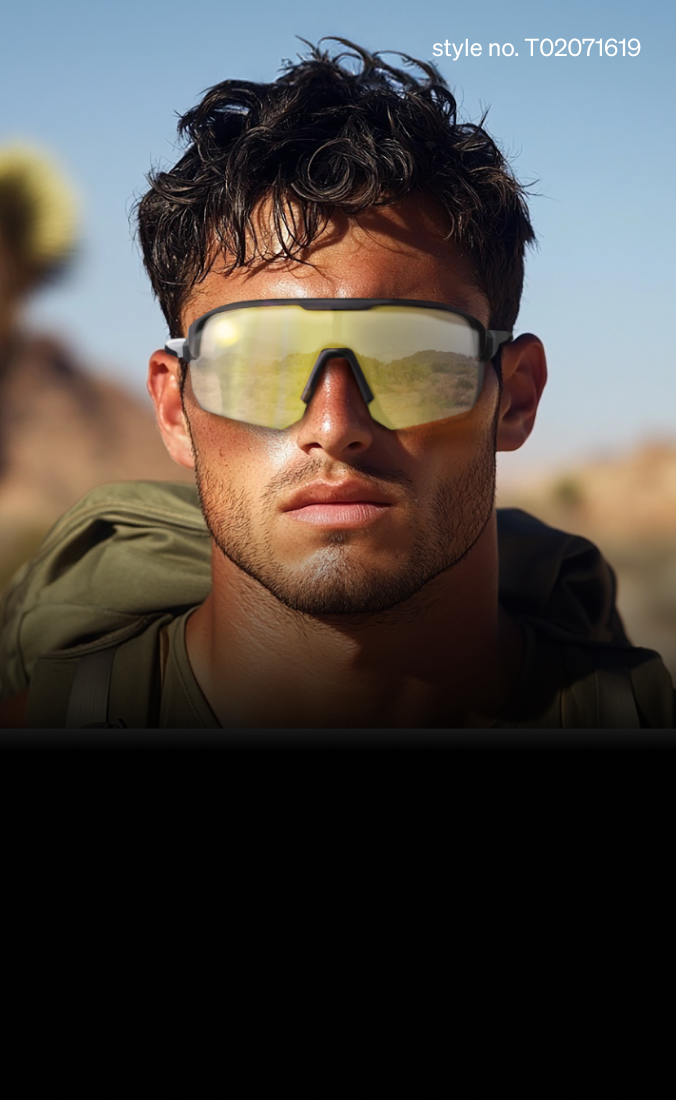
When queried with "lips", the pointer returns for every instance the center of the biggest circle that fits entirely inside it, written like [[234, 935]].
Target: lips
[[348, 503], [335, 493]]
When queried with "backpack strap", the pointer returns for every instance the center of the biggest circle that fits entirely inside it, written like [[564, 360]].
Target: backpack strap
[[113, 682], [610, 688], [615, 700], [89, 695]]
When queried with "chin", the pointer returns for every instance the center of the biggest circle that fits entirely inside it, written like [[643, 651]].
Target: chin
[[328, 584]]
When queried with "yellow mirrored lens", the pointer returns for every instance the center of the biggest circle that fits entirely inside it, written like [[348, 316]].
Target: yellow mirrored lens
[[421, 364], [223, 333], [254, 363]]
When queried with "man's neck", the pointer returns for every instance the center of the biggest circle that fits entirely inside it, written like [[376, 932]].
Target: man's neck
[[447, 657]]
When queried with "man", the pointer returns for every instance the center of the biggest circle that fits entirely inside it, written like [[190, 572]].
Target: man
[[340, 263]]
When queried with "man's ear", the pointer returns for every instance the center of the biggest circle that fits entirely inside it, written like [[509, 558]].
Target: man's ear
[[524, 374], [164, 373]]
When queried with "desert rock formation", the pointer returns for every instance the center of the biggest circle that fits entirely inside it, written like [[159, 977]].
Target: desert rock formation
[[63, 430]]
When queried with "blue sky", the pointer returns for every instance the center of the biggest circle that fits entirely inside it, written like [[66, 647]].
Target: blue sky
[[99, 85]]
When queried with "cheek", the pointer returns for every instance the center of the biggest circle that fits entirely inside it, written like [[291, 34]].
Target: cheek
[[443, 450], [237, 456]]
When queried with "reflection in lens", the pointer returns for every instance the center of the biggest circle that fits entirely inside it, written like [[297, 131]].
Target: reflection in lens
[[434, 372], [260, 378]]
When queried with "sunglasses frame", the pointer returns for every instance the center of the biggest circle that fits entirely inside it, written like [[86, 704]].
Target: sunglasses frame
[[185, 348]]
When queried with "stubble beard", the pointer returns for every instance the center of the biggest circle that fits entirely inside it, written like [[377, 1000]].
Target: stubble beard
[[336, 580]]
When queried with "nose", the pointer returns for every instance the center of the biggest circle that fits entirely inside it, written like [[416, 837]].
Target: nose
[[337, 419]]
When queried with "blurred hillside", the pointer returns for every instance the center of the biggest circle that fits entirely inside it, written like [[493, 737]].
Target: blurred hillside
[[64, 430], [627, 506]]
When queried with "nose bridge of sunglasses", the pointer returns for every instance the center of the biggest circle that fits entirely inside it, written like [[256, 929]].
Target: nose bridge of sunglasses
[[336, 353]]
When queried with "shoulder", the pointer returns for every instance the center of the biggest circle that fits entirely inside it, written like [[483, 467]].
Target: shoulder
[[124, 551]]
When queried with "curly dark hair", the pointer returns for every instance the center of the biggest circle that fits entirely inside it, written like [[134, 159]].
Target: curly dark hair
[[326, 137]]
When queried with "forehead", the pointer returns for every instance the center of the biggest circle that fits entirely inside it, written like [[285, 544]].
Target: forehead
[[397, 251]]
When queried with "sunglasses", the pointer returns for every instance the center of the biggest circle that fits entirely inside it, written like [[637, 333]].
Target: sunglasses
[[414, 362]]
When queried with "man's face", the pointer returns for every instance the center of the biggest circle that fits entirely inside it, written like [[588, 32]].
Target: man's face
[[337, 514]]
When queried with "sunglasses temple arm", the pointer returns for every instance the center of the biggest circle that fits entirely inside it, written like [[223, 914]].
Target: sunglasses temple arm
[[495, 340], [179, 348]]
